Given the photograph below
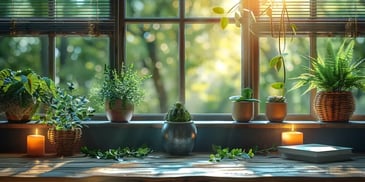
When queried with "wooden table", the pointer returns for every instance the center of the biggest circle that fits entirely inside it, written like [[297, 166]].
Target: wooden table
[[159, 167]]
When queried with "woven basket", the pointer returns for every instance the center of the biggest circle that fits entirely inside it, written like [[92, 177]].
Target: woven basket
[[66, 141], [334, 106]]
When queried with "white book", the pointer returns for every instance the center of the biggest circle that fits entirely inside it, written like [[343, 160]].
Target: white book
[[317, 153]]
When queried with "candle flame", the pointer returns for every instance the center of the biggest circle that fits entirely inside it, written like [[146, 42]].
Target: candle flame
[[36, 131], [292, 127]]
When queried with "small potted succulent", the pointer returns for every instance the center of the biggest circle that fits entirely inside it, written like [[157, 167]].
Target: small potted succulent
[[243, 105], [121, 91], [276, 108], [21, 92], [179, 131], [64, 117]]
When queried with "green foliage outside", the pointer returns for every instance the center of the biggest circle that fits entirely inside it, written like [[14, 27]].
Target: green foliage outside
[[211, 65]]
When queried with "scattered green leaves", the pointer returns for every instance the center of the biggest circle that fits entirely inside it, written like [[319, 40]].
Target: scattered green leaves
[[235, 153], [118, 153]]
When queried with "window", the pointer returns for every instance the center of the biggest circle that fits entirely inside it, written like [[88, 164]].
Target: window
[[178, 42]]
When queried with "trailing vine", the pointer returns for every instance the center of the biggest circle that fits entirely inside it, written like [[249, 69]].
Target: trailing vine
[[118, 153]]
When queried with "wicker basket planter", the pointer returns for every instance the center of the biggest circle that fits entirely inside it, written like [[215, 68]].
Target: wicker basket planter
[[334, 106], [65, 141]]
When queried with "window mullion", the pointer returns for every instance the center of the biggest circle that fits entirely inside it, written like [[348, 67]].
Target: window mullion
[[181, 53]]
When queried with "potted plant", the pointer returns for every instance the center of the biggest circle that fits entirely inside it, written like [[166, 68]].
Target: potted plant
[[21, 92], [121, 91], [276, 108], [64, 117], [334, 75], [279, 32], [243, 105], [179, 131]]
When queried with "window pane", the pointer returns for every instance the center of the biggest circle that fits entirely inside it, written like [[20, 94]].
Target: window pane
[[150, 9], [358, 54], [294, 61], [212, 67], [81, 60], [203, 8], [153, 49], [24, 52]]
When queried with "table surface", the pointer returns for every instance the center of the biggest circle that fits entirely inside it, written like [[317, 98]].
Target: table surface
[[161, 167]]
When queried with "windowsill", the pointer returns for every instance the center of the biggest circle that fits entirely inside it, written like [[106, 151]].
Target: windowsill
[[223, 124]]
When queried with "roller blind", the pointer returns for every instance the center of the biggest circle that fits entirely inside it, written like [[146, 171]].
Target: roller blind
[[318, 8], [316, 16], [56, 16]]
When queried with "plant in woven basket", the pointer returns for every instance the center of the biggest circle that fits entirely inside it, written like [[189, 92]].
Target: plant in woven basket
[[334, 76], [21, 92], [64, 116]]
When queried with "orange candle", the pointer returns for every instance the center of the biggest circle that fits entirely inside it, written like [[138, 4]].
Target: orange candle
[[292, 137], [35, 144]]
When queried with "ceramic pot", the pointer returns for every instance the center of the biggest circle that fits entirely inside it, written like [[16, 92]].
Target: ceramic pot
[[242, 111], [118, 111], [178, 137], [276, 111]]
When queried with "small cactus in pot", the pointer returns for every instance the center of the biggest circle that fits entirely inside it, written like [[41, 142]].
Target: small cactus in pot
[[178, 113], [179, 131]]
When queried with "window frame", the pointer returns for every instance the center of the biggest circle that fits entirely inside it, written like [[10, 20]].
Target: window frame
[[249, 57]]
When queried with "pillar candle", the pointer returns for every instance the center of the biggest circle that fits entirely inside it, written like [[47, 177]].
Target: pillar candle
[[35, 144], [292, 137]]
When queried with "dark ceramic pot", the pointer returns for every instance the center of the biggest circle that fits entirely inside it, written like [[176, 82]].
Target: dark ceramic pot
[[179, 137]]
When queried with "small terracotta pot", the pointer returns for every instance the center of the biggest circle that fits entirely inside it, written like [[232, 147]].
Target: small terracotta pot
[[118, 111], [242, 111], [276, 111]]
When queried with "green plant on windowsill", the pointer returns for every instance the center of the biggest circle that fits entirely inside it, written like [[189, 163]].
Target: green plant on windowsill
[[246, 95], [21, 92], [64, 117], [178, 113], [220, 153], [121, 91], [67, 110], [334, 76]]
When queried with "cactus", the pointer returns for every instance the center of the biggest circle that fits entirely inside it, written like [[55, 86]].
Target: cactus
[[178, 113]]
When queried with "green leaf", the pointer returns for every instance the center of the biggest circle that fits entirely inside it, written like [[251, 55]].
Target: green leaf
[[218, 10], [278, 85], [224, 22], [276, 62]]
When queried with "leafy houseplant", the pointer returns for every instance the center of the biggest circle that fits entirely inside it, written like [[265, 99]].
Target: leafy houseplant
[[21, 92], [64, 117], [243, 105], [121, 91], [179, 131], [334, 76]]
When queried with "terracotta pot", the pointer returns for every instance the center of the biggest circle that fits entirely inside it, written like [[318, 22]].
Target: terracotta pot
[[118, 111], [334, 106], [65, 141], [242, 111], [276, 111]]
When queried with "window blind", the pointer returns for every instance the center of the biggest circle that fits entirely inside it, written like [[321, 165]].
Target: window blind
[[56, 16], [315, 16]]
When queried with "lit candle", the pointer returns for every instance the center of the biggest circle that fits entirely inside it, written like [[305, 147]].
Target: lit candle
[[35, 144], [292, 137]]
